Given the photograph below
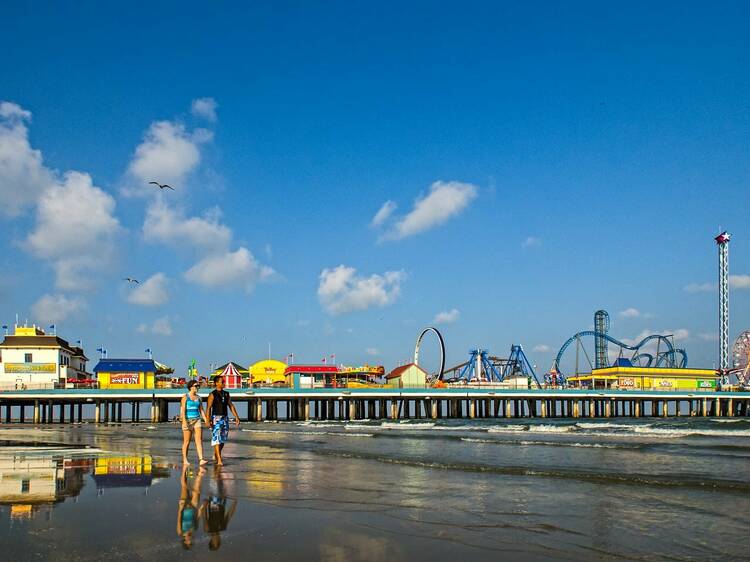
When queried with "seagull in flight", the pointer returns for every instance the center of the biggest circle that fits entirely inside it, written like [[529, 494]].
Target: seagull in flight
[[131, 280], [162, 185]]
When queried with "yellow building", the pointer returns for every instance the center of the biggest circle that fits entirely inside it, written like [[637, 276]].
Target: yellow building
[[267, 372], [407, 376], [648, 378], [125, 373]]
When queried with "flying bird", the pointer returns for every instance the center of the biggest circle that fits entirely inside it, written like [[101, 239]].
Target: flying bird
[[162, 185], [131, 280]]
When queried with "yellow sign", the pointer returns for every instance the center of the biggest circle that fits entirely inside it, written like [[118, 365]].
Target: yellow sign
[[30, 368]]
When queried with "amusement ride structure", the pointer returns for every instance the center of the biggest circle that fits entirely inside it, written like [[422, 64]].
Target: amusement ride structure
[[722, 241], [741, 357], [640, 354], [441, 342], [485, 368], [481, 366]]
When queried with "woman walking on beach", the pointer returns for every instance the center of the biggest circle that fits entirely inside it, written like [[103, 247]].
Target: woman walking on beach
[[218, 407], [191, 415]]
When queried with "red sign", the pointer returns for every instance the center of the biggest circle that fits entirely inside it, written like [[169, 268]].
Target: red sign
[[125, 378]]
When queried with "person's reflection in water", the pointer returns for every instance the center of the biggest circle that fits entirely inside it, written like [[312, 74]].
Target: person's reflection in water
[[189, 509], [218, 511]]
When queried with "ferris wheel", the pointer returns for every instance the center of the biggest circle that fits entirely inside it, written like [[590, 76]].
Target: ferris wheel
[[741, 357]]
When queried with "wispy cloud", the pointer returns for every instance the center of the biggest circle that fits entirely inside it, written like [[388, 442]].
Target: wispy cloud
[[151, 292], [630, 313], [541, 348], [372, 351], [228, 269], [55, 308], [447, 316], [23, 176], [444, 201], [700, 287], [160, 327], [342, 290], [384, 213], [531, 242], [205, 108], [710, 336], [739, 281]]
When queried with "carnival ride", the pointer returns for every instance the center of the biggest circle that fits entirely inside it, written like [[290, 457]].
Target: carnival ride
[[441, 342], [484, 368], [741, 358], [643, 355]]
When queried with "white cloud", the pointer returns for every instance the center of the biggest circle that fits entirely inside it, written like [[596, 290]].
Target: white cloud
[[372, 351], [303, 323], [239, 268], [444, 201], [205, 108], [341, 290], [700, 288], [709, 337], [630, 313], [678, 335], [384, 213], [446, 316], [541, 348], [739, 281], [170, 226], [531, 242], [151, 292], [160, 327], [219, 267], [167, 154], [75, 229], [55, 308], [23, 177]]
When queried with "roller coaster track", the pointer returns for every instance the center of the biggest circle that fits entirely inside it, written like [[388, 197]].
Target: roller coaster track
[[669, 355]]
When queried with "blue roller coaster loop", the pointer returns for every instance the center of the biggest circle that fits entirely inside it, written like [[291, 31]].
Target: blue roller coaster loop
[[668, 356]]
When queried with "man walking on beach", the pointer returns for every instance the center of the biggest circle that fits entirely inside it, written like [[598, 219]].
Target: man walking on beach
[[218, 406]]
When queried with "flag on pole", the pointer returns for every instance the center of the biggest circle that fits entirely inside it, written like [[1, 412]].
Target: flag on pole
[[323, 360]]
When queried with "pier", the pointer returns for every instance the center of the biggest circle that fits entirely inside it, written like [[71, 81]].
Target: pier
[[275, 404]]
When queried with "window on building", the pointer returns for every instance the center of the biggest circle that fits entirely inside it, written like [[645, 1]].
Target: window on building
[[25, 486], [28, 358]]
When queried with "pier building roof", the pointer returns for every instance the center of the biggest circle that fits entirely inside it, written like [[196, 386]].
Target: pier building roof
[[398, 371], [41, 341], [125, 366], [311, 369]]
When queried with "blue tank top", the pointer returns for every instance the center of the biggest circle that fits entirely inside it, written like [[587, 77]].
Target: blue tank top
[[192, 410], [188, 519]]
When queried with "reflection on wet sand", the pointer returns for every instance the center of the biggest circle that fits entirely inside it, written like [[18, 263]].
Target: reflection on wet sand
[[34, 479], [32, 484], [189, 508], [218, 509], [134, 472]]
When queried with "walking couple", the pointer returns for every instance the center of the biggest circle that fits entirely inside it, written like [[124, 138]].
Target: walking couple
[[215, 416]]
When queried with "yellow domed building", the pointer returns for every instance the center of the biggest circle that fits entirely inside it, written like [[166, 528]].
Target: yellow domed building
[[268, 372]]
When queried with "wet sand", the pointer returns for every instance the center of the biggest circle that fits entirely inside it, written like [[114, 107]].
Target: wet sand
[[379, 491]]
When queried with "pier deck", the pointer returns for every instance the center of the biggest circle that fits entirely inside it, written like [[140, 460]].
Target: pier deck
[[258, 404]]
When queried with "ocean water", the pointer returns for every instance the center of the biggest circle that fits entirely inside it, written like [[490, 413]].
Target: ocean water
[[647, 489]]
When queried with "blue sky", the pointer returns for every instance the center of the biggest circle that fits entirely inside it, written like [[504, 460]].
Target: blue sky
[[541, 162]]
